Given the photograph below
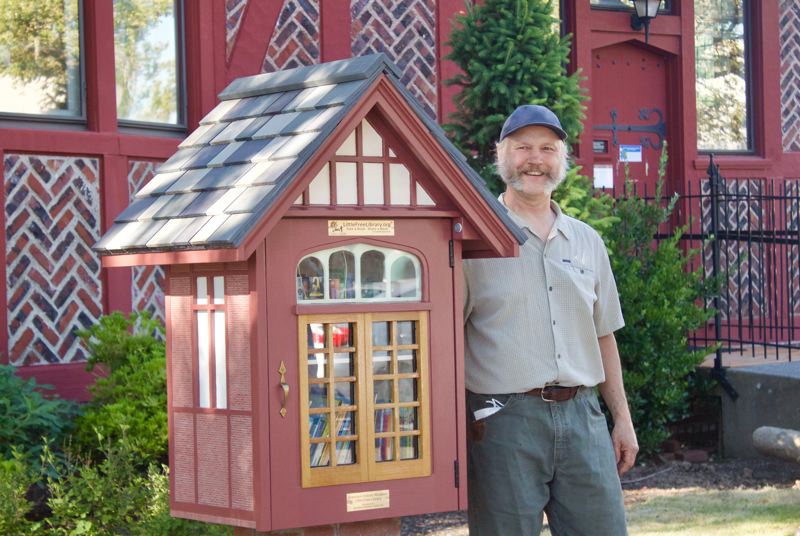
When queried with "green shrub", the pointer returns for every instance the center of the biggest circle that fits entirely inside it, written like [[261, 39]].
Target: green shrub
[[27, 416], [660, 301], [15, 479], [132, 401], [115, 496]]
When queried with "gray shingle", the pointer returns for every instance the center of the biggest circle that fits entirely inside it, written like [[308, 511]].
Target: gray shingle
[[276, 125], [180, 159], [230, 132], [252, 128], [280, 103], [203, 135], [265, 172], [335, 72], [312, 120], [245, 152], [309, 97], [159, 183], [250, 199], [269, 149], [341, 93], [221, 157], [222, 177], [134, 235], [202, 203], [219, 111], [177, 232], [202, 158], [295, 145], [135, 209], [251, 107], [201, 236], [231, 228], [176, 205], [188, 181]]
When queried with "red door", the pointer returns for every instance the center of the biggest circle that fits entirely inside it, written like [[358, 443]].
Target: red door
[[389, 494], [629, 114]]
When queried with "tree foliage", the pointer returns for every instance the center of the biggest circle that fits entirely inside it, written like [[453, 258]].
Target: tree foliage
[[660, 299], [510, 53]]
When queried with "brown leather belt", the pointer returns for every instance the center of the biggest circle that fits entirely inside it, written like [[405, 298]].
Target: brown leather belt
[[554, 393]]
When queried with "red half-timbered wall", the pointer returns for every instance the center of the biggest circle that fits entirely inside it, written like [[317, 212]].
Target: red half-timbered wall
[[62, 186]]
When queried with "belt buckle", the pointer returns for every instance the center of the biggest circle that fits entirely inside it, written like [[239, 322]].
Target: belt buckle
[[541, 394]]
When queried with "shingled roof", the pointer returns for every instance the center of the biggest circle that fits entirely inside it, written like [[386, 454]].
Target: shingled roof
[[227, 175]]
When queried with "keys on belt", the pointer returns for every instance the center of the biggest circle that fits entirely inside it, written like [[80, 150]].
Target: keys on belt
[[554, 393]]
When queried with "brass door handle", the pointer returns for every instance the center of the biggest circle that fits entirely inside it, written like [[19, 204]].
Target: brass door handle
[[284, 387]]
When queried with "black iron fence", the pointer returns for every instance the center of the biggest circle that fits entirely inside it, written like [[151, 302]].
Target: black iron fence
[[747, 233]]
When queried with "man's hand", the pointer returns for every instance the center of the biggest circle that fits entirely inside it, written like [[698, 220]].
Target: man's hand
[[625, 446]]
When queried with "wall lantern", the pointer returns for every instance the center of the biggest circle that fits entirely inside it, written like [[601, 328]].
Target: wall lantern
[[645, 10]]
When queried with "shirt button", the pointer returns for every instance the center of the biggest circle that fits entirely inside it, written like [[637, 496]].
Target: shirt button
[[550, 289], [559, 356], [554, 322]]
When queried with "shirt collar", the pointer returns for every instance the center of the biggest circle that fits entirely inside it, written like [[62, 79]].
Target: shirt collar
[[560, 225]]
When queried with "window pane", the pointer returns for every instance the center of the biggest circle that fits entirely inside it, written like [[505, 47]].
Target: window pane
[[318, 426], [380, 333], [344, 393], [220, 360], [202, 291], [345, 452], [384, 449], [407, 388], [383, 420], [310, 279], [721, 65], [409, 447], [318, 395], [381, 362], [320, 453], [406, 332], [404, 278], [408, 419], [219, 289], [345, 423], [40, 70], [627, 4], [202, 359], [383, 392], [372, 271], [342, 275], [406, 361], [145, 53]]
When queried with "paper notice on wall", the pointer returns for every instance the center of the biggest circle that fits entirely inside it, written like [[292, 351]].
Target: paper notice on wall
[[603, 176], [630, 153]]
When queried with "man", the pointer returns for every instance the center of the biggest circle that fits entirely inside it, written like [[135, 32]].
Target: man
[[539, 337]]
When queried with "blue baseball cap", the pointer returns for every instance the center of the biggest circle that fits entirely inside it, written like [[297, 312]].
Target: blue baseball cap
[[532, 115]]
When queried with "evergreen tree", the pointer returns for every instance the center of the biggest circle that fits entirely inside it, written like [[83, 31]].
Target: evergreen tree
[[510, 53]]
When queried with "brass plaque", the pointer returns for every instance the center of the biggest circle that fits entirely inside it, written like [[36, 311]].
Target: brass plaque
[[367, 500], [360, 227]]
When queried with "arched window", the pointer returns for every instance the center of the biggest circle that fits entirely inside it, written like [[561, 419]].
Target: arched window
[[404, 278], [342, 275], [310, 280], [372, 275], [359, 273]]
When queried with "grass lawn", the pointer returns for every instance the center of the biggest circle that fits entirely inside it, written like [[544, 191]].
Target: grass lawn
[[700, 512]]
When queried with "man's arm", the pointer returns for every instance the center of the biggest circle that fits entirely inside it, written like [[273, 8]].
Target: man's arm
[[613, 392]]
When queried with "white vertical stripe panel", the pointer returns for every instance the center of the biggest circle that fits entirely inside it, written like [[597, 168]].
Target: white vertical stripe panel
[[202, 359], [346, 185], [371, 142], [373, 184], [348, 148], [220, 358], [423, 199], [399, 184], [319, 191]]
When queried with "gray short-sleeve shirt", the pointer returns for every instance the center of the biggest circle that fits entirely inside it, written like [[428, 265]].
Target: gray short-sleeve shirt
[[534, 320]]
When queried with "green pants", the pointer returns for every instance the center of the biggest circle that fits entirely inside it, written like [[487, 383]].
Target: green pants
[[529, 456]]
